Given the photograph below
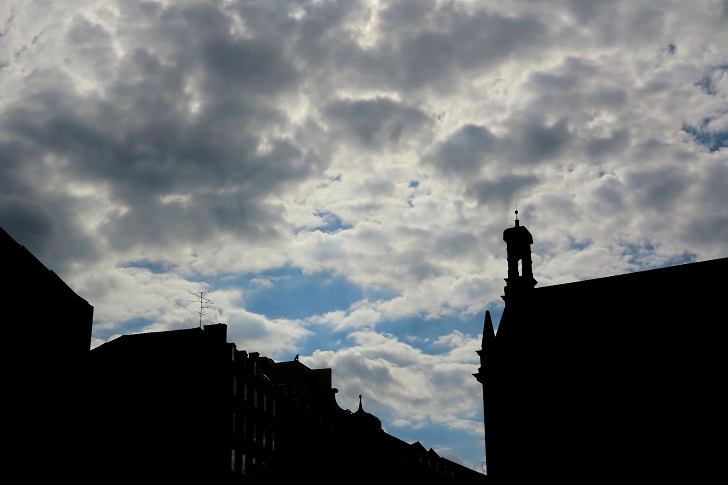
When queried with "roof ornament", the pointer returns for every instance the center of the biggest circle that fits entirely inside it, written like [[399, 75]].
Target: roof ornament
[[517, 224], [204, 302]]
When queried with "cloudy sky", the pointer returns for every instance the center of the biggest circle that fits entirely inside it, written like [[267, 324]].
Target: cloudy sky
[[338, 173]]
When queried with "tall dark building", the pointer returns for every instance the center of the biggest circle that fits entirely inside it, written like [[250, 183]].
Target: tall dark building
[[188, 406], [611, 379], [47, 337]]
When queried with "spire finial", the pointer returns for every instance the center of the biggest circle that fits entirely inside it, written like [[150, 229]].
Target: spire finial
[[360, 406], [517, 215]]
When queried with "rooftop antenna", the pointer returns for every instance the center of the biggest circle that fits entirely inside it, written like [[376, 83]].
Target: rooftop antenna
[[204, 302]]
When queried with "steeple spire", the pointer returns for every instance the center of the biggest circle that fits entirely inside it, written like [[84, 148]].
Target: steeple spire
[[518, 247]]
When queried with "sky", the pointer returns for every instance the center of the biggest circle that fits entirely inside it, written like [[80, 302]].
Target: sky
[[336, 175]]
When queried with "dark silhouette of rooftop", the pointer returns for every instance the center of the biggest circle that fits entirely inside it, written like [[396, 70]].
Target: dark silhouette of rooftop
[[196, 407], [182, 405], [47, 335], [607, 379]]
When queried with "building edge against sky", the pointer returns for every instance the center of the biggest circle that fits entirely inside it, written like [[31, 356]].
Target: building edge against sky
[[183, 404], [616, 378], [206, 410], [45, 355], [611, 378]]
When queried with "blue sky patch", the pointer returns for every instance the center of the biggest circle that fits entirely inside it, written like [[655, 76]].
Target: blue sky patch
[[324, 338], [433, 435], [427, 331], [289, 293], [579, 245], [706, 83], [642, 255], [712, 140], [152, 266], [331, 222]]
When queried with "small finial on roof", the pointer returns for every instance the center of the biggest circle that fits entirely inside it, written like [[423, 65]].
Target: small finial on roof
[[517, 216], [360, 407]]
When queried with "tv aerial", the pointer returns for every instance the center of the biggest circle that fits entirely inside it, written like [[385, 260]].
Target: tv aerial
[[204, 302]]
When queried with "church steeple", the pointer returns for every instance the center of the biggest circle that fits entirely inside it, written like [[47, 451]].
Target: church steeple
[[497, 350], [518, 247]]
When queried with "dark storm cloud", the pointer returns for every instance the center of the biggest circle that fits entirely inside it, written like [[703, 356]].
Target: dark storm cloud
[[434, 45], [606, 23], [465, 152], [706, 231], [586, 11], [188, 100], [608, 146], [26, 221], [455, 243], [659, 189], [530, 140], [257, 65], [501, 191], [43, 221], [317, 35], [574, 86], [375, 123], [534, 140], [610, 195], [413, 45], [44, 224], [186, 115], [709, 225]]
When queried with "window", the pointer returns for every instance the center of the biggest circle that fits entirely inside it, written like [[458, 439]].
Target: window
[[245, 427], [245, 391], [232, 460], [272, 440], [235, 385], [273, 406], [242, 463], [234, 429], [265, 402], [255, 397]]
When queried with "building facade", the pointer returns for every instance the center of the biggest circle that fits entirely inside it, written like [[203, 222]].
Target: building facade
[[610, 379], [188, 405], [47, 336]]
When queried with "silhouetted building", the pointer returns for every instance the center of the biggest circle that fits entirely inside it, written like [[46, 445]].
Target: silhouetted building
[[47, 337], [611, 379], [187, 405]]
